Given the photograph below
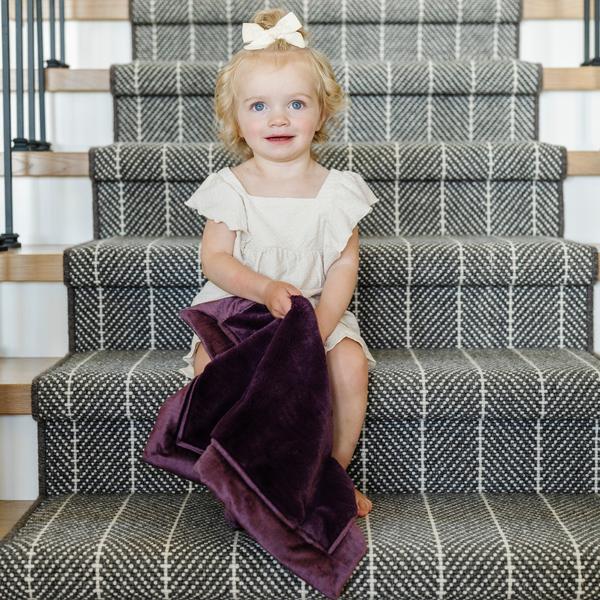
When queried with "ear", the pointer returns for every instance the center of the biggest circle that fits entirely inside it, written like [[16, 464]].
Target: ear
[[322, 119]]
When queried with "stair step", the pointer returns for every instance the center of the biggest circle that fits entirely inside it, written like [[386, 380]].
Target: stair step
[[16, 375], [33, 262], [418, 261], [434, 421], [432, 540], [11, 511], [118, 10], [48, 164], [67, 80], [437, 384], [98, 80], [426, 188], [553, 9], [76, 164], [527, 279], [39, 265], [84, 10], [404, 100]]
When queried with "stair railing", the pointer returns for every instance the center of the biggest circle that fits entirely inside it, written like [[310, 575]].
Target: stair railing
[[35, 56], [594, 62]]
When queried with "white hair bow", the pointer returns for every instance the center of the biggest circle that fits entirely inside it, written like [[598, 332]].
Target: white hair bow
[[286, 28]]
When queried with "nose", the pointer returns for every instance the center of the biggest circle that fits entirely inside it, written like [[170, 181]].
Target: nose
[[278, 117]]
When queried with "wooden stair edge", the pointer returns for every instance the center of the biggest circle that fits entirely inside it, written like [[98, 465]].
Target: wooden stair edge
[[118, 10], [98, 80], [76, 164], [33, 262], [48, 164], [16, 375], [11, 512]]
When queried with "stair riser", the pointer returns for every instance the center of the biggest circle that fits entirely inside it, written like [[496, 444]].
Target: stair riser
[[405, 208], [106, 457], [438, 41], [416, 317], [369, 119]]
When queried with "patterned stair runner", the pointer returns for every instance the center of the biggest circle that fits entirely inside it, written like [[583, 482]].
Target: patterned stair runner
[[481, 445], [472, 100], [200, 30]]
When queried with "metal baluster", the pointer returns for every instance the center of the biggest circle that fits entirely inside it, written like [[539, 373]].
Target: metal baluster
[[61, 16], [52, 62], [595, 62], [20, 142], [586, 33], [32, 143], [42, 144], [9, 239]]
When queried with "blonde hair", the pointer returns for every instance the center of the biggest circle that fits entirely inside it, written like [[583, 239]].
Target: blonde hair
[[331, 97]]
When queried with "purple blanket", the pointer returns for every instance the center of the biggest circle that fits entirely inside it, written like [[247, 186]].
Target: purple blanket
[[256, 428]]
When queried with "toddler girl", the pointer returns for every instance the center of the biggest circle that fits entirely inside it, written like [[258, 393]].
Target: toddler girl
[[280, 224]]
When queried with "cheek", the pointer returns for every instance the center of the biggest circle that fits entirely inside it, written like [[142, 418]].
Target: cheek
[[310, 122], [249, 126]]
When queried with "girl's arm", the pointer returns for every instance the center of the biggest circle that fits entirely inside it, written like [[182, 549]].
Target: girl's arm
[[228, 273], [340, 282]]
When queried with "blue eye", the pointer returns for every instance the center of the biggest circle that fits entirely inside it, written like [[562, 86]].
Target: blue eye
[[297, 102], [258, 104]]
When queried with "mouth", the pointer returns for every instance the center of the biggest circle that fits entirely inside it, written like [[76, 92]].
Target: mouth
[[280, 138]]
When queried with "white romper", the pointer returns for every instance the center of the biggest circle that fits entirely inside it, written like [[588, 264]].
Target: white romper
[[287, 239]]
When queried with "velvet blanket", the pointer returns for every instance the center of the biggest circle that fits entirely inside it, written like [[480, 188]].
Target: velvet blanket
[[256, 428]]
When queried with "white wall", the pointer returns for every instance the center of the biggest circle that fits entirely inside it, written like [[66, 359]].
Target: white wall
[[33, 316]]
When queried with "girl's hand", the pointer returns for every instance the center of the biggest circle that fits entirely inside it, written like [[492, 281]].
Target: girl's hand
[[277, 297]]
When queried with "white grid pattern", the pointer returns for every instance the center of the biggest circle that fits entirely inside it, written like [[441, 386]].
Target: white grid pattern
[[97, 565], [31, 551], [166, 565], [577, 553]]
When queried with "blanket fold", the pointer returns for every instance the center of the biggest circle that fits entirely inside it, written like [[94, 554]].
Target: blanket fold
[[256, 428]]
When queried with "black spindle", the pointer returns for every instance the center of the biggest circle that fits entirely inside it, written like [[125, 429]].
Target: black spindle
[[595, 62], [586, 33], [587, 61], [20, 142], [9, 239], [32, 143], [61, 16], [42, 144], [52, 62]]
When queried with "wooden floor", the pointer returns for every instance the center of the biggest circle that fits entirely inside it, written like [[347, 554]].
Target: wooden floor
[[10, 512]]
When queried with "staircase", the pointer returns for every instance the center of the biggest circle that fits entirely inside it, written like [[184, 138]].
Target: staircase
[[481, 444]]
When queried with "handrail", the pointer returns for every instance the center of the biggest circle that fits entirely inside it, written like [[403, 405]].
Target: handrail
[[21, 143]]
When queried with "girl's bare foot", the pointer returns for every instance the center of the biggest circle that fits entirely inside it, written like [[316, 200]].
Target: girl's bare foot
[[363, 503]]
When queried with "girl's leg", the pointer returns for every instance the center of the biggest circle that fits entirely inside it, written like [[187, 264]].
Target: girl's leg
[[201, 360], [348, 380]]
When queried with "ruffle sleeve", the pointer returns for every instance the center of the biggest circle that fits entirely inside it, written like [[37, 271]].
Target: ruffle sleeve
[[216, 199], [353, 200]]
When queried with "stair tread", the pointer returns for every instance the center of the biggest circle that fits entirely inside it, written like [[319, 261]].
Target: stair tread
[[429, 261], [141, 541], [118, 10], [405, 385], [374, 161], [16, 375], [33, 262], [11, 512], [41, 164], [382, 77], [98, 80]]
